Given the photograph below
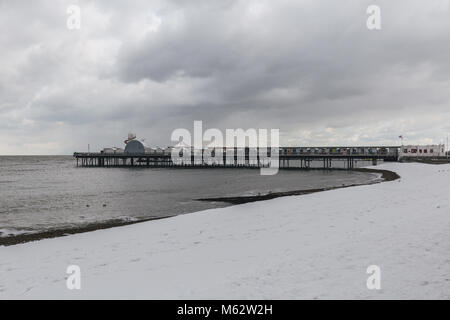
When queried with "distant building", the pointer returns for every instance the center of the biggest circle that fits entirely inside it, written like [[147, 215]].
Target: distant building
[[112, 150], [437, 150], [135, 146], [138, 146]]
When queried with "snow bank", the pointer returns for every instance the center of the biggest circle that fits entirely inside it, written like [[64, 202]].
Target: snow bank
[[311, 246]]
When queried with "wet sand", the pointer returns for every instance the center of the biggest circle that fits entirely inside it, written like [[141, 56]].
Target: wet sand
[[385, 175], [28, 237]]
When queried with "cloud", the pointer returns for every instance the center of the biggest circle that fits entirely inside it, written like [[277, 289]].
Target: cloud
[[310, 68]]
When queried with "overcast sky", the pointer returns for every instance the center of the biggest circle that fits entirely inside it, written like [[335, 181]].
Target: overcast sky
[[309, 68]]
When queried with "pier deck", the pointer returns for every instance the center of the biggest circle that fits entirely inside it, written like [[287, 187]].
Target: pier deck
[[288, 158]]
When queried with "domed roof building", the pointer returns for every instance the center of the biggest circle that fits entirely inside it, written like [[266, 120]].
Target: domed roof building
[[133, 145]]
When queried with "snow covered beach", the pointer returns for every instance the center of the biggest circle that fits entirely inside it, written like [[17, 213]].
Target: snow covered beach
[[315, 246]]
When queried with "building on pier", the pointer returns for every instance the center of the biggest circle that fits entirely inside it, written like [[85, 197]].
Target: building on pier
[[113, 150], [135, 147], [422, 151]]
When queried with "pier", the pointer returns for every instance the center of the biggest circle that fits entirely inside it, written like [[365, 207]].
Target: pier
[[289, 157]]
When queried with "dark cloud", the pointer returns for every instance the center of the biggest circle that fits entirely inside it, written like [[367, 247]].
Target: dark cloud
[[310, 68]]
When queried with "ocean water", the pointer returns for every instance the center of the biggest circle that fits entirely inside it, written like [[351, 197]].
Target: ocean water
[[42, 193]]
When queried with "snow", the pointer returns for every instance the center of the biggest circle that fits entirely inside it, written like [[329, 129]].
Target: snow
[[12, 232], [315, 246]]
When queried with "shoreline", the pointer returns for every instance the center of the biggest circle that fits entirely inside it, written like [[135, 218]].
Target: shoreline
[[57, 233], [386, 175]]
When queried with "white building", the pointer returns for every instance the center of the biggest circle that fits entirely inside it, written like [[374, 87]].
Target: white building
[[437, 150], [113, 150]]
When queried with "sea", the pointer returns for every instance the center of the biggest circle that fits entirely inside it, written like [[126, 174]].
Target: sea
[[46, 193]]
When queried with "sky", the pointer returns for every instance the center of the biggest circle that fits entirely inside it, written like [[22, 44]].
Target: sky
[[310, 68]]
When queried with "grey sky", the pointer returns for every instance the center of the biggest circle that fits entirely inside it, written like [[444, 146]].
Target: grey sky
[[310, 68]]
